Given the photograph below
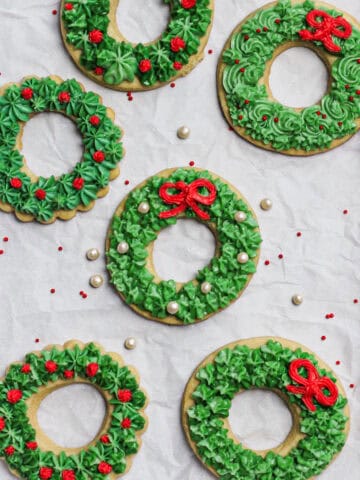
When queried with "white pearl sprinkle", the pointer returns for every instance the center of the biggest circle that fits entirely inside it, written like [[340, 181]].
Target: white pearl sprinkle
[[96, 281], [183, 132], [172, 308], [130, 343], [92, 254], [123, 247], [297, 299], [266, 204], [240, 217], [144, 207], [206, 287], [243, 257]]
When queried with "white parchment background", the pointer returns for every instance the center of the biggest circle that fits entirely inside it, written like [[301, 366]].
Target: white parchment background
[[309, 195]]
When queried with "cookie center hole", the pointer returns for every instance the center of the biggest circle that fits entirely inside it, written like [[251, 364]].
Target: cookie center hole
[[72, 416], [51, 144], [182, 249], [142, 21], [260, 419], [298, 77]]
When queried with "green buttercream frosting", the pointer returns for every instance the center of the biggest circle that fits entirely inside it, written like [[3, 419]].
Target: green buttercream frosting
[[272, 123], [16, 430], [242, 367], [131, 276], [60, 192], [120, 60]]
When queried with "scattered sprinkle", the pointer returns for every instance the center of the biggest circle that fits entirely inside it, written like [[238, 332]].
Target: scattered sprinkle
[[337, 362], [5, 239], [329, 315], [345, 212], [1, 252], [191, 163], [210, 51], [356, 300], [231, 129], [280, 256], [298, 234], [351, 385], [54, 12], [172, 85], [126, 182], [60, 248], [83, 294], [52, 290], [323, 337], [37, 340], [267, 262]]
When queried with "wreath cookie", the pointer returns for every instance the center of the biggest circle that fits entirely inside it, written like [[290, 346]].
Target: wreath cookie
[[30, 454], [45, 199], [306, 384], [159, 202], [98, 48], [245, 65]]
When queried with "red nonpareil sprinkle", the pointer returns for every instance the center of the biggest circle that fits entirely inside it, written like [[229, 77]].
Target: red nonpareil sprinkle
[[69, 374], [92, 369], [172, 85], [265, 29], [177, 65], [321, 127], [27, 93], [52, 290], [84, 295], [126, 182], [177, 44], [54, 12], [351, 385], [324, 115], [14, 396], [276, 119], [105, 439], [98, 70], [31, 445], [2, 423], [37, 340], [40, 194], [16, 182], [340, 124], [351, 98], [94, 120], [145, 65], [99, 156], [258, 30], [337, 362], [126, 423], [356, 300], [78, 183], [323, 337], [104, 468], [45, 473], [51, 366], [240, 117], [277, 21], [298, 234], [124, 395], [242, 69], [130, 99], [5, 239], [64, 97], [210, 51], [264, 117], [267, 262], [191, 163], [96, 36], [347, 87], [1, 252], [237, 61], [68, 6], [60, 248], [280, 256], [10, 450], [318, 113], [246, 37], [357, 92], [358, 60], [345, 212]]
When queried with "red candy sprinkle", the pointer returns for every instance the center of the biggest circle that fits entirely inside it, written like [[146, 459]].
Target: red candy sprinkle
[[98, 70], [124, 395], [14, 396], [351, 385], [60, 249], [258, 30], [52, 290], [40, 194], [298, 234], [265, 29], [337, 362], [347, 87], [177, 65], [188, 4], [68, 475], [246, 37], [27, 93], [78, 183], [26, 368], [276, 119], [246, 102], [242, 69], [5, 239], [280, 256], [10, 450], [351, 98], [145, 65], [2, 423], [92, 369], [126, 182], [104, 468], [240, 117], [99, 156], [94, 120], [172, 85], [318, 113], [54, 12], [51, 366], [68, 6], [356, 300], [278, 21], [105, 439], [31, 445], [16, 182], [264, 117], [237, 61], [340, 124], [126, 423], [323, 115], [210, 51], [321, 127], [96, 36], [191, 163], [68, 374], [1, 252], [345, 212], [323, 337], [267, 262], [177, 44], [37, 340], [45, 473], [64, 97]]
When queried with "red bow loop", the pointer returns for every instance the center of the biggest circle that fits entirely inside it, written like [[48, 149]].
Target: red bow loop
[[188, 197], [312, 386], [325, 29]]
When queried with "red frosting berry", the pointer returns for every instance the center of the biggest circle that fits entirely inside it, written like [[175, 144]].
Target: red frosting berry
[[40, 194], [78, 183], [92, 369], [104, 468], [14, 396], [145, 65], [68, 373], [27, 93], [2, 423], [177, 44], [26, 368], [68, 6], [31, 445], [94, 120], [16, 182], [51, 366], [105, 439], [188, 3], [64, 97], [125, 395], [96, 36], [98, 71], [68, 475], [126, 423], [99, 156], [177, 65], [45, 473], [10, 450]]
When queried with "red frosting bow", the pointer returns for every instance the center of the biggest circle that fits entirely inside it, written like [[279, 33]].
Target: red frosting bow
[[312, 385], [188, 196], [325, 28]]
